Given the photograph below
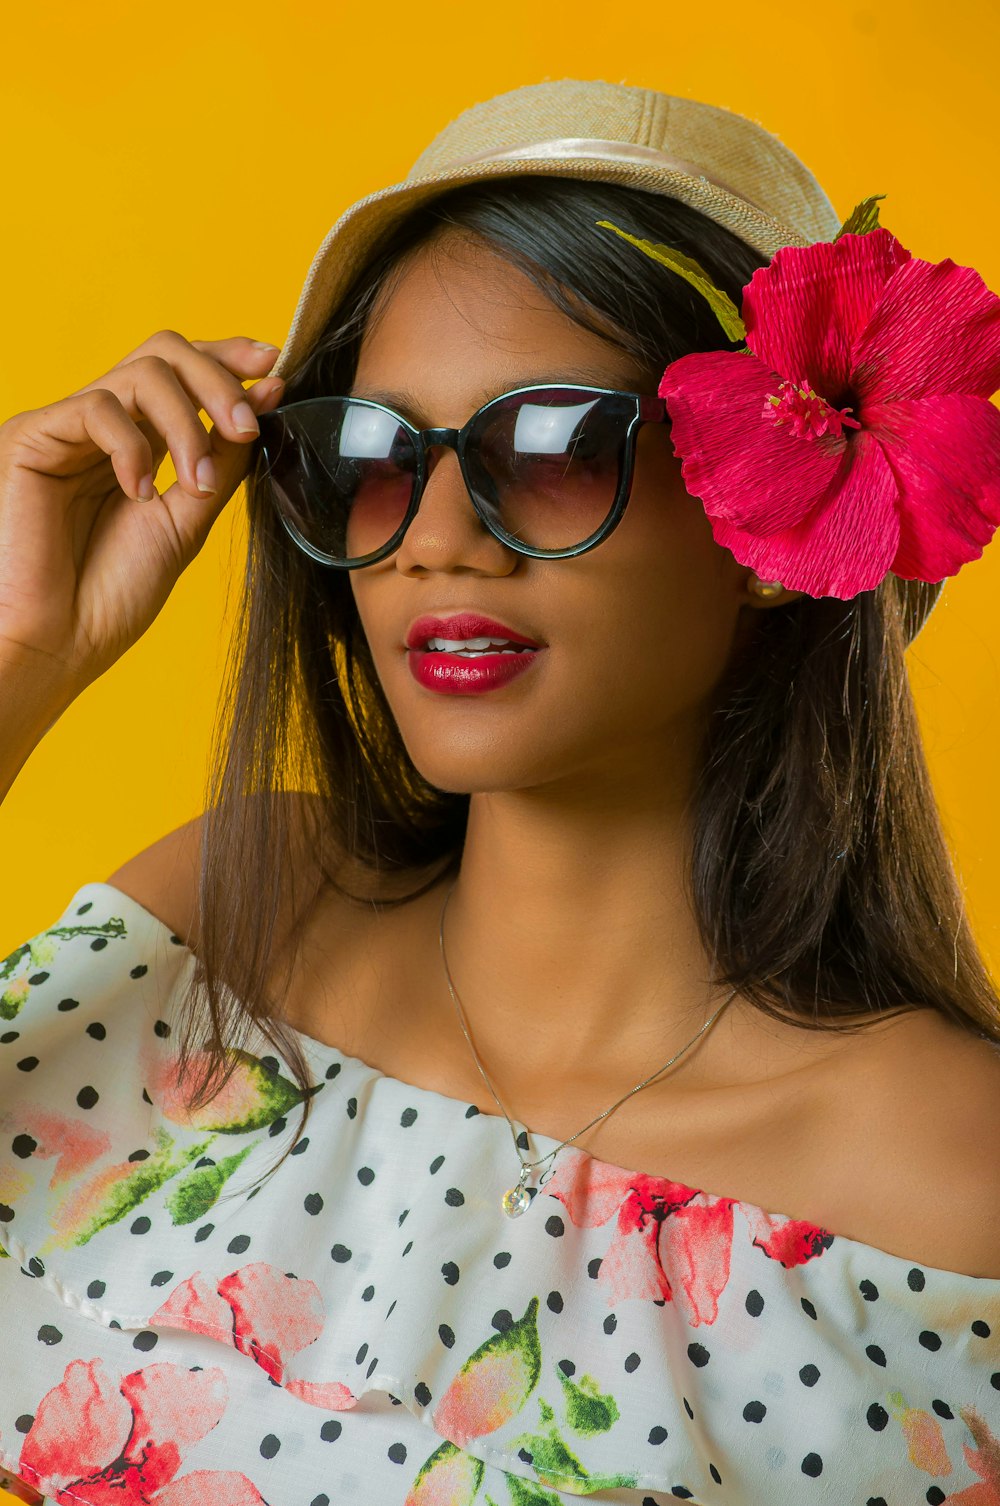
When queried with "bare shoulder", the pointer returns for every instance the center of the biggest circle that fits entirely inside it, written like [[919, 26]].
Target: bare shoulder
[[915, 1110], [163, 877]]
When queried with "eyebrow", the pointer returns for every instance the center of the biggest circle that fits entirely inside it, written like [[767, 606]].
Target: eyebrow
[[406, 402]]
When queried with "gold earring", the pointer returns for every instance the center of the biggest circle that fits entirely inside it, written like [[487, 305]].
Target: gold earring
[[764, 588]]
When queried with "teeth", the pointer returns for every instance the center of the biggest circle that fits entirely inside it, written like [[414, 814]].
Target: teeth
[[469, 645]]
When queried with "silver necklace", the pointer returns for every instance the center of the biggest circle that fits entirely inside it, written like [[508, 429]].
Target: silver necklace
[[518, 1198]]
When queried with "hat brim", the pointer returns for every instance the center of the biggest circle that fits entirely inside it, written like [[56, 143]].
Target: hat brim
[[352, 240]]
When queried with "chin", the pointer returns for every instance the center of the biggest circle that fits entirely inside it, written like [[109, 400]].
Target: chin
[[472, 770]]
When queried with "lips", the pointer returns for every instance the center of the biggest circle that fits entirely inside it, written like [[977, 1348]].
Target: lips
[[464, 625]]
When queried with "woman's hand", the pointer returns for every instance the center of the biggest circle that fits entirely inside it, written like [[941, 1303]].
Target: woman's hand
[[84, 566]]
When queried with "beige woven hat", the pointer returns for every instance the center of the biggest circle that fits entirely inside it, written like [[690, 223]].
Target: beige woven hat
[[728, 167]]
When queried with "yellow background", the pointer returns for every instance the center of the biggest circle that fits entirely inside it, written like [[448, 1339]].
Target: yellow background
[[179, 166]]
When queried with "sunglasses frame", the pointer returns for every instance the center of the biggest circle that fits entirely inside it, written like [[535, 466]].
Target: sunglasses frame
[[647, 410]]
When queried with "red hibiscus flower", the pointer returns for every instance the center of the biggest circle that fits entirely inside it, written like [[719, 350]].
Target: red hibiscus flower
[[856, 437], [262, 1312], [673, 1242], [107, 1442]]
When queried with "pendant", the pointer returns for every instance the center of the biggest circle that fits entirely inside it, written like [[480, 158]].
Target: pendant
[[517, 1199]]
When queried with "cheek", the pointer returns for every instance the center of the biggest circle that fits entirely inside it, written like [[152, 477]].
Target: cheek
[[671, 601], [670, 570], [361, 591]]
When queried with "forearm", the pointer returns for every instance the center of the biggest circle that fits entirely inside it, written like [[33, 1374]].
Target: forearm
[[33, 696]]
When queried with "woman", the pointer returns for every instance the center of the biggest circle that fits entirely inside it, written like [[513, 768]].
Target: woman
[[480, 902]]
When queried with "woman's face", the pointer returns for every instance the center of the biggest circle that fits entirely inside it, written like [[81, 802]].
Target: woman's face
[[636, 632]]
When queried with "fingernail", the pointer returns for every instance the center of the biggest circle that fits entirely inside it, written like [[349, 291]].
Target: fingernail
[[205, 472], [146, 492], [263, 345], [243, 418]]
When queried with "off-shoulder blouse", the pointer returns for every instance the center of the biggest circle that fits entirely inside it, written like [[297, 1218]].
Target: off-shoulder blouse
[[368, 1326]]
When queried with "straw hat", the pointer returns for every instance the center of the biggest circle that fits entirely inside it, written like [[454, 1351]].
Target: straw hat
[[728, 167]]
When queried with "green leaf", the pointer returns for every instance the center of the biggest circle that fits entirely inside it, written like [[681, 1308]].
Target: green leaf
[[547, 1413], [39, 950], [862, 218], [551, 1460], [558, 1467], [450, 1474], [254, 1097], [588, 1410], [560, 1470], [523, 1493], [720, 303], [495, 1381], [194, 1194], [13, 999], [114, 1192]]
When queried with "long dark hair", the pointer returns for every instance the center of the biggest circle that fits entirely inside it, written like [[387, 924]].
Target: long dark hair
[[820, 875]]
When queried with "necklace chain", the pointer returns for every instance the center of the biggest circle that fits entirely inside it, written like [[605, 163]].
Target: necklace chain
[[516, 1200]]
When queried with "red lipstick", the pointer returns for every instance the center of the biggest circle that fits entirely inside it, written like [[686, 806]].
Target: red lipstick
[[470, 672], [464, 625]]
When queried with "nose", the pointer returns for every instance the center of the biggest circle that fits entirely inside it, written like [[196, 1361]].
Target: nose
[[436, 443], [447, 532]]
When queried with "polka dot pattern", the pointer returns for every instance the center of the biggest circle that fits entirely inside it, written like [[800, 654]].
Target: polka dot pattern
[[328, 1328]]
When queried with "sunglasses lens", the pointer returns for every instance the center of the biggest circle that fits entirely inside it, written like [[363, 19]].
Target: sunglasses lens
[[547, 466], [544, 467], [342, 474]]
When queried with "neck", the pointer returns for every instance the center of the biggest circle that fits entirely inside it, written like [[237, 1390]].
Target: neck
[[569, 932]]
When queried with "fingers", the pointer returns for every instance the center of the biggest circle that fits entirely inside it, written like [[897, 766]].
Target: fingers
[[91, 420], [239, 354], [232, 462], [82, 572], [149, 404], [150, 386], [168, 380], [192, 516]]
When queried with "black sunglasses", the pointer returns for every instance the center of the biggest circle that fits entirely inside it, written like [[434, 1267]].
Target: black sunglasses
[[548, 470]]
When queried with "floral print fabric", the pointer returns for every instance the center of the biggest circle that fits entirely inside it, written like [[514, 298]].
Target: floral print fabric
[[366, 1325]]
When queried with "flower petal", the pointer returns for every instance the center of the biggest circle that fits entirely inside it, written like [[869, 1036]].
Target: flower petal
[[805, 310], [223, 1487], [936, 329], [793, 1241], [747, 469], [630, 1267], [274, 1315], [174, 1408], [696, 1247], [945, 452], [195, 1304], [80, 1425], [332, 1396], [591, 1191], [845, 545], [75, 1143]]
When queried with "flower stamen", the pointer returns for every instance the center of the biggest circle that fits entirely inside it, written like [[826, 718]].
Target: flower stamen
[[809, 414]]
